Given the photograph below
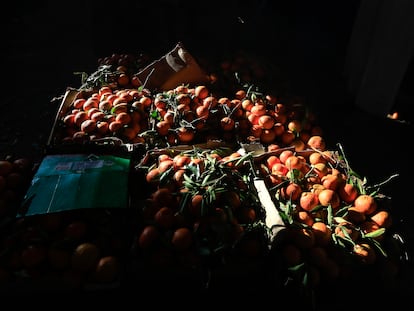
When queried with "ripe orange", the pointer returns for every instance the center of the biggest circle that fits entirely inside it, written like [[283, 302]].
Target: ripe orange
[[185, 134], [85, 257], [148, 236], [180, 161], [33, 255], [292, 192], [182, 238], [164, 217], [322, 232], [287, 137], [365, 203], [201, 91], [329, 197], [247, 104], [305, 218], [347, 192], [267, 136], [152, 176], [88, 126], [123, 117], [333, 182], [284, 155], [308, 200], [227, 123], [355, 216], [266, 121], [294, 126], [162, 127], [163, 197], [382, 218], [365, 253], [107, 269], [293, 162], [317, 142], [347, 231], [258, 109]]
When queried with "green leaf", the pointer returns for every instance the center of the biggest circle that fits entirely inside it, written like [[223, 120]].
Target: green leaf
[[375, 234]]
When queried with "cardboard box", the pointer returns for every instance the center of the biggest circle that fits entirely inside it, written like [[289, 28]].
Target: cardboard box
[[76, 181]]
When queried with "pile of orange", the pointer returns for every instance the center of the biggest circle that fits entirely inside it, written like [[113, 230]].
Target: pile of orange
[[194, 206]]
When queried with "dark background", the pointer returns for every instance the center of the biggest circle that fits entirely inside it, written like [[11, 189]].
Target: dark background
[[45, 42]]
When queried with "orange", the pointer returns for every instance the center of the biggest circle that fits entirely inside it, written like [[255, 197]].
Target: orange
[[322, 232], [347, 192], [317, 142], [210, 102], [333, 182], [365, 253], [32, 256], [148, 236], [185, 134], [279, 169], [107, 269], [115, 126], [164, 217], [329, 197], [240, 94], [355, 216], [181, 160], [163, 197], [227, 123], [365, 203], [293, 162], [278, 128], [347, 231], [152, 176], [85, 257], [162, 127], [247, 104], [267, 136], [258, 110], [287, 137], [201, 91], [382, 218], [321, 169], [88, 126], [272, 160], [266, 122], [123, 117], [298, 144], [294, 126], [182, 238], [305, 217], [292, 192], [284, 155], [165, 165], [308, 200]]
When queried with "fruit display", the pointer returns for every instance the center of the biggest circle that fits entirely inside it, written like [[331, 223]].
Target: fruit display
[[194, 208]]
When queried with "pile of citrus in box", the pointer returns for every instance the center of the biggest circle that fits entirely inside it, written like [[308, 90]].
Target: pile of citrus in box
[[194, 202]]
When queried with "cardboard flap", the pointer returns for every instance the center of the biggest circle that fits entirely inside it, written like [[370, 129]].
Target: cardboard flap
[[173, 69]]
